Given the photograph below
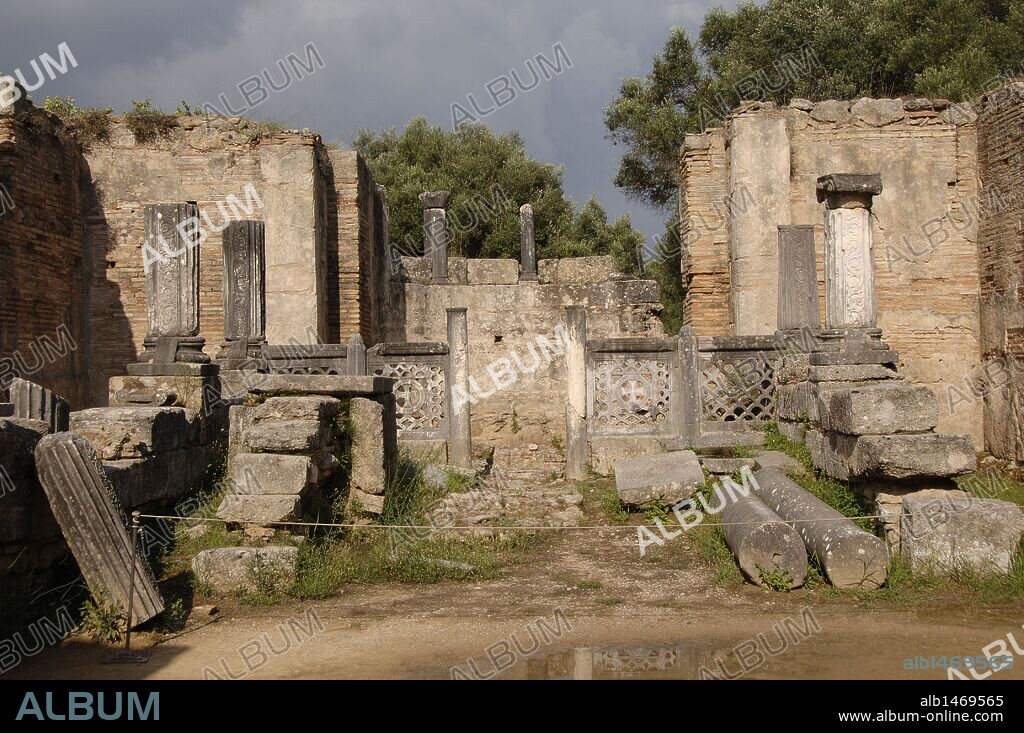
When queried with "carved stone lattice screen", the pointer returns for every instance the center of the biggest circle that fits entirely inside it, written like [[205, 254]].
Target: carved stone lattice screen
[[737, 378], [632, 386], [306, 359], [420, 373]]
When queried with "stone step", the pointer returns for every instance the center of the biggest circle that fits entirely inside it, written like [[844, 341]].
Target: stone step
[[726, 466]]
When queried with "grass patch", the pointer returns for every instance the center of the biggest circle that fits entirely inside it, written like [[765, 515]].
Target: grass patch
[[708, 542], [775, 440], [998, 482], [102, 620], [148, 123], [84, 125]]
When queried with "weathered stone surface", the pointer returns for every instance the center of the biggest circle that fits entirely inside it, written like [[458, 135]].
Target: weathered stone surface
[[887, 499], [962, 113], [762, 542], [34, 402], [795, 402], [878, 409], [778, 460], [851, 557], [802, 104], [244, 292], [492, 272], [145, 483], [93, 524], [949, 533], [373, 453], [172, 280], [527, 243], [360, 502], [577, 270], [285, 436], [722, 439], [725, 466], [608, 450], [434, 199], [260, 509], [296, 408], [878, 112], [904, 456], [320, 384], [669, 478], [205, 393], [832, 111], [793, 430], [233, 569], [798, 278], [258, 474], [133, 432], [850, 373]]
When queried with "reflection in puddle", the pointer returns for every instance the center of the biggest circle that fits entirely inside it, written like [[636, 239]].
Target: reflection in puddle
[[621, 662]]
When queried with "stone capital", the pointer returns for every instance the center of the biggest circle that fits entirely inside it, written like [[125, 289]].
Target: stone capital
[[848, 190], [434, 199]]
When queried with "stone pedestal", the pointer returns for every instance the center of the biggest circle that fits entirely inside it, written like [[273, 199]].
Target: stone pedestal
[[244, 295], [171, 257], [435, 234], [528, 246]]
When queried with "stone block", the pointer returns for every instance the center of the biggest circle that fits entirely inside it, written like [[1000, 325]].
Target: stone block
[[191, 392], [778, 460], [947, 533], [795, 402], [794, 431], [132, 432], [791, 369], [311, 407], [372, 459], [577, 270], [832, 111], [143, 483], [260, 509], [725, 466], [851, 373], [606, 450], [879, 409], [34, 402], [669, 478], [360, 502], [492, 272], [233, 569], [878, 112], [285, 436], [904, 456], [258, 474]]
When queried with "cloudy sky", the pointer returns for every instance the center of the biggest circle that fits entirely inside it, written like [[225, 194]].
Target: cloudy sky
[[384, 62]]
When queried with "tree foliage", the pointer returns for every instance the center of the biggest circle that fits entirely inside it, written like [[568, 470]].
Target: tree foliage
[[818, 49], [489, 176]]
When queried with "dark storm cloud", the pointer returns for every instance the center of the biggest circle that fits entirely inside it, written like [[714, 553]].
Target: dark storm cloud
[[384, 62]]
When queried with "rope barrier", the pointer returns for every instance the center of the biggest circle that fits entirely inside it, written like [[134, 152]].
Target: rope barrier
[[510, 527]]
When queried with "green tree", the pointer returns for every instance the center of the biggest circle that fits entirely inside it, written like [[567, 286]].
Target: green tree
[[666, 268], [489, 176], [818, 49]]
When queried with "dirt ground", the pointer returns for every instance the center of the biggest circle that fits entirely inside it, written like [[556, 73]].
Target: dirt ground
[[608, 613]]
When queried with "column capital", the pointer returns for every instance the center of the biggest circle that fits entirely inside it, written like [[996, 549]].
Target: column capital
[[435, 199], [848, 190]]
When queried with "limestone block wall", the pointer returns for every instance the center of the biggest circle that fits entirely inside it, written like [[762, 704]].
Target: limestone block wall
[[44, 327], [1001, 251], [739, 182], [507, 317]]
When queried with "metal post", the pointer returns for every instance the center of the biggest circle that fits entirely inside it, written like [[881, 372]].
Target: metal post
[[136, 529]]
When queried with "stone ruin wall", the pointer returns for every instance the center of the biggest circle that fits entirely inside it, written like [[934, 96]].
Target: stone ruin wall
[[737, 183], [1001, 252], [82, 214], [505, 316], [43, 265]]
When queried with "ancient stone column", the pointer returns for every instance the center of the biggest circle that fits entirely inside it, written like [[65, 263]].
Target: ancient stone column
[[849, 260], [171, 260], [244, 294], [435, 233], [798, 278], [460, 448], [576, 400], [528, 247], [762, 542]]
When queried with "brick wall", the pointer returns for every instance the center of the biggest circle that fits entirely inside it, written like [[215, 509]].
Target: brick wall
[[44, 334], [925, 225], [1001, 252]]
